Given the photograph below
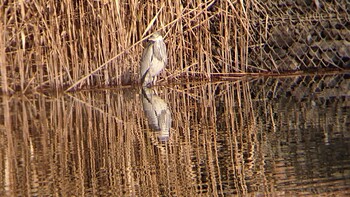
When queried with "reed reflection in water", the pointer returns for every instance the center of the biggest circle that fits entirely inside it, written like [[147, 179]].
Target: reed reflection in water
[[240, 137]]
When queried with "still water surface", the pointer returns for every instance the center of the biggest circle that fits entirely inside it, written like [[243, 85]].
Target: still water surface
[[260, 137]]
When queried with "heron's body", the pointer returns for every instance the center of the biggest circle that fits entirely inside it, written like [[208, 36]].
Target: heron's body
[[153, 60]]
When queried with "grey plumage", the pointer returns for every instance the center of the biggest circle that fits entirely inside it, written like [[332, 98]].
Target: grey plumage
[[153, 60]]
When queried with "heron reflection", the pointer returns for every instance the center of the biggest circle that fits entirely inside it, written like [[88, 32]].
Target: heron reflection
[[157, 113]]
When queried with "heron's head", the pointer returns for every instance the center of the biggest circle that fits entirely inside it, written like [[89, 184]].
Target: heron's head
[[156, 37]]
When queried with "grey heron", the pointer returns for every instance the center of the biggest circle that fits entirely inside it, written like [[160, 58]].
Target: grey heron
[[153, 60]]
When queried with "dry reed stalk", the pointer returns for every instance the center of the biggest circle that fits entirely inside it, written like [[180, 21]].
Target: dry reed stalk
[[4, 85]]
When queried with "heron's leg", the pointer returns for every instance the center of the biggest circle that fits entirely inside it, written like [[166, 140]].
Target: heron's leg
[[147, 80], [154, 80]]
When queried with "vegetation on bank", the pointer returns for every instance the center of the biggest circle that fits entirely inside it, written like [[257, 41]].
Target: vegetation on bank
[[97, 43], [69, 45]]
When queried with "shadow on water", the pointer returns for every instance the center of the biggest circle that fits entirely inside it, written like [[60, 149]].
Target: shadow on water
[[262, 136]]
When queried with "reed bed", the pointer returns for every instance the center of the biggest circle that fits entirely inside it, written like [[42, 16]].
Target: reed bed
[[70, 45]]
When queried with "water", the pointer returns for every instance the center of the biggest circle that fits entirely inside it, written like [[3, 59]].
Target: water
[[260, 137]]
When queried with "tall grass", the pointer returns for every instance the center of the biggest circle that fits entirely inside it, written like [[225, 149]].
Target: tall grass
[[74, 44]]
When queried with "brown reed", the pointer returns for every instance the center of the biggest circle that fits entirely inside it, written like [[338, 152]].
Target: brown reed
[[71, 45]]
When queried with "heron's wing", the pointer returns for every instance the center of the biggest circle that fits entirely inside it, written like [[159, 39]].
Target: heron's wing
[[146, 61], [159, 50]]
